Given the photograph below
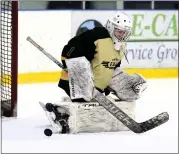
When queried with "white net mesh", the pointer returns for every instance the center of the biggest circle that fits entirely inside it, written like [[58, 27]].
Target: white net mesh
[[5, 53]]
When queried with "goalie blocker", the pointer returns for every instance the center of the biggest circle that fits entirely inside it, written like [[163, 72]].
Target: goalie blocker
[[91, 117]]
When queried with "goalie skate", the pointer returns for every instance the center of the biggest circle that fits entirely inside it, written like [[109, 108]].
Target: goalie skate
[[57, 116]]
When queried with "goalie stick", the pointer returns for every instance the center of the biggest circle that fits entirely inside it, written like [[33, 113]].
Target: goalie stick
[[112, 108]]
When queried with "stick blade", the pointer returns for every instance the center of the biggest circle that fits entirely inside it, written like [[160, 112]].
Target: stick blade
[[153, 122]]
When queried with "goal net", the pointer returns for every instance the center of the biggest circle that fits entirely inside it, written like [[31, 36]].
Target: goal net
[[8, 57]]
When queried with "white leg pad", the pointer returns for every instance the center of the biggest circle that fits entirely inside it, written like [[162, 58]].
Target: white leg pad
[[92, 118]]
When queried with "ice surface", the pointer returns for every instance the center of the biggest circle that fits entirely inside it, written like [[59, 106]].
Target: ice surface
[[25, 134]]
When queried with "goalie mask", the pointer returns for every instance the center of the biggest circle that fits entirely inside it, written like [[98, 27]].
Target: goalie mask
[[119, 27]]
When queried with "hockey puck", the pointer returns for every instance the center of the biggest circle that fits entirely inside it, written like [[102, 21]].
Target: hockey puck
[[49, 107], [48, 132]]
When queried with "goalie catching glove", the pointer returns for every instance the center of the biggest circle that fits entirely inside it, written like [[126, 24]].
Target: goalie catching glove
[[127, 87]]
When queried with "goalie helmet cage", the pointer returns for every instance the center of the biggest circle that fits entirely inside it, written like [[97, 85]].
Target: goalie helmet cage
[[8, 57]]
